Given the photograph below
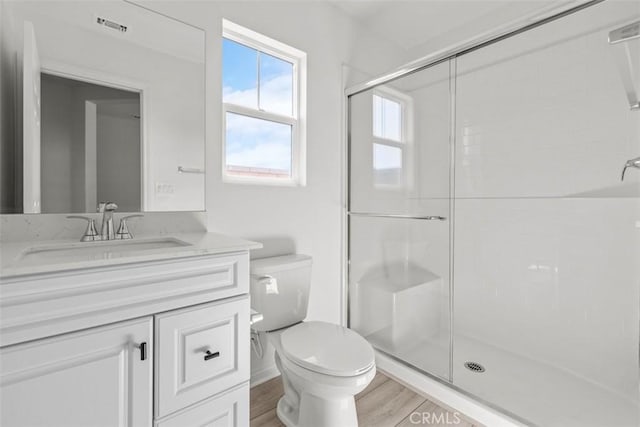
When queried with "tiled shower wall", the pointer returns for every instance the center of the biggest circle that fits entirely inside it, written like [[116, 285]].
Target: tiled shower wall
[[546, 234]]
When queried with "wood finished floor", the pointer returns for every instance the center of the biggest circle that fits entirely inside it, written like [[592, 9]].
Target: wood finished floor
[[384, 403]]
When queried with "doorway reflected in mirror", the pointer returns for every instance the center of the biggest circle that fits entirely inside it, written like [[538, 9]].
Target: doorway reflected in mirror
[[91, 147]]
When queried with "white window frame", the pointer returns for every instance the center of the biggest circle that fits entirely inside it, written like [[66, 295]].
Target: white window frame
[[406, 135], [297, 121]]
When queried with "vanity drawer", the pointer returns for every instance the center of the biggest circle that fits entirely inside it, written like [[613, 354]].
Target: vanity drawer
[[229, 409], [200, 351]]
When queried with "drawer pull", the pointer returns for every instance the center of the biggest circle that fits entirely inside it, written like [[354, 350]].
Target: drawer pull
[[143, 351], [210, 355]]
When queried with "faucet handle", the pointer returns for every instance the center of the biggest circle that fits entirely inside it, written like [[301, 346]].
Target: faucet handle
[[123, 231], [106, 206], [90, 234]]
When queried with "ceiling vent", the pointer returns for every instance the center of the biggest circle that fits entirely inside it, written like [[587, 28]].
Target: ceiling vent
[[111, 24]]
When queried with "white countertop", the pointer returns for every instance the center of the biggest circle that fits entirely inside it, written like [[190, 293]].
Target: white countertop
[[14, 259]]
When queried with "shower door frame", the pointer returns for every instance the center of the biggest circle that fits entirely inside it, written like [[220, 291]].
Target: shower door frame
[[520, 26]]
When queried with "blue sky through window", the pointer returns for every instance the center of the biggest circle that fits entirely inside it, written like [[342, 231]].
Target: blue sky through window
[[239, 72], [387, 118], [258, 144], [252, 142], [276, 85], [387, 158]]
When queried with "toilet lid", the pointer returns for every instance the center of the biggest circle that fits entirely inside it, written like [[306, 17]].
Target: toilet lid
[[327, 348]]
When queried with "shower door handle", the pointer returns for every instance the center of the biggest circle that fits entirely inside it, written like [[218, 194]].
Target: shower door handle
[[399, 216], [633, 163]]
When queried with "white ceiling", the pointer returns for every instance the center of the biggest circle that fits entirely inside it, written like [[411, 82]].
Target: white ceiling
[[410, 24]]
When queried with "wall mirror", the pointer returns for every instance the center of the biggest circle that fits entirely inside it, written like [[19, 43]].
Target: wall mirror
[[108, 105]]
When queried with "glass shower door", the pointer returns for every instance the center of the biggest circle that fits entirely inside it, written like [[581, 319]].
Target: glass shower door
[[399, 218]]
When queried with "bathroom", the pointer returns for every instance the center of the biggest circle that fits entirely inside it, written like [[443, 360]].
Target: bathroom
[[499, 195]]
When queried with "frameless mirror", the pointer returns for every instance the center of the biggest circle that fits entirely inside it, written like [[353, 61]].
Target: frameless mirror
[[108, 104]]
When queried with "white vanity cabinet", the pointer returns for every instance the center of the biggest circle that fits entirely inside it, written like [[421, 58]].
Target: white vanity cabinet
[[90, 378], [153, 343]]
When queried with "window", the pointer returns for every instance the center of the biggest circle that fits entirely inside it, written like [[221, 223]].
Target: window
[[263, 109], [391, 112]]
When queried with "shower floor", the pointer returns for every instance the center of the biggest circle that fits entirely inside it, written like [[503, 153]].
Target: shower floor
[[536, 392]]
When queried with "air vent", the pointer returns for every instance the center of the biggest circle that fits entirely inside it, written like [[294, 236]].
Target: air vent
[[111, 24], [474, 366]]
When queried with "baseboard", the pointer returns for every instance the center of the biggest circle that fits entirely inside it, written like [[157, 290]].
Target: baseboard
[[264, 375], [444, 394]]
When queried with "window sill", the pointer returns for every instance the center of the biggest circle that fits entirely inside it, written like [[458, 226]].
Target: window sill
[[273, 182]]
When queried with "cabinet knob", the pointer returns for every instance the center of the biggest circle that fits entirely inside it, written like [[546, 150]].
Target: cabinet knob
[[210, 355]]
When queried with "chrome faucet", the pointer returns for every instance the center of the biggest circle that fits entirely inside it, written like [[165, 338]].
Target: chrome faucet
[[632, 163], [107, 231]]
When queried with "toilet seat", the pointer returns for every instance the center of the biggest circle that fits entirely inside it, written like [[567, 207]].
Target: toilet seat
[[327, 349]]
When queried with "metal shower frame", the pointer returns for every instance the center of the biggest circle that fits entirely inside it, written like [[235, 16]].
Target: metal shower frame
[[450, 54]]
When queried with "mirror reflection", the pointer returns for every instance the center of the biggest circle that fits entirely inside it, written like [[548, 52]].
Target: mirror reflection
[[90, 146], [108, 105]]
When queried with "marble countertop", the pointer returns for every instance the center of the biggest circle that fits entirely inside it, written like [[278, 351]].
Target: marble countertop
[[21, 258]]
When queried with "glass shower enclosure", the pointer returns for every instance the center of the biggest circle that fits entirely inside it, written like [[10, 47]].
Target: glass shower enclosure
[[491, 242], [400, 217]]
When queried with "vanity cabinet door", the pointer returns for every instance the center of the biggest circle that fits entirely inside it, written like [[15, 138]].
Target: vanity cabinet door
[[91, 378]]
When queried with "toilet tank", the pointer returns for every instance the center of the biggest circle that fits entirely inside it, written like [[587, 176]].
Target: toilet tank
[[280, 290]]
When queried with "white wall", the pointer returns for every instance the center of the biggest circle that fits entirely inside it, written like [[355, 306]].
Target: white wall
[[289, 219]]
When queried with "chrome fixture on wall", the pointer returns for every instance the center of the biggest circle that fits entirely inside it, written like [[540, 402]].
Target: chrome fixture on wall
[[628, 59], [182, 169], [633, 163]]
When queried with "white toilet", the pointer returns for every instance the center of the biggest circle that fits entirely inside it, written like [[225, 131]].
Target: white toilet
[[322, 365]]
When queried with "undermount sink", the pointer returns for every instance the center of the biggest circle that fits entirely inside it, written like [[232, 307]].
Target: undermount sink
[[97, 250]]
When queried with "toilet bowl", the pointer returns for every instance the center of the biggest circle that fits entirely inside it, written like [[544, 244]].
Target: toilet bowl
[[323, 365]]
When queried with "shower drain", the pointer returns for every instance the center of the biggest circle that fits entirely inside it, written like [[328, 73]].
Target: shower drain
[[473, 366]]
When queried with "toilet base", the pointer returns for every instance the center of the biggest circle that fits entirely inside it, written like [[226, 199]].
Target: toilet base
[[286, 413], [317, 412]]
